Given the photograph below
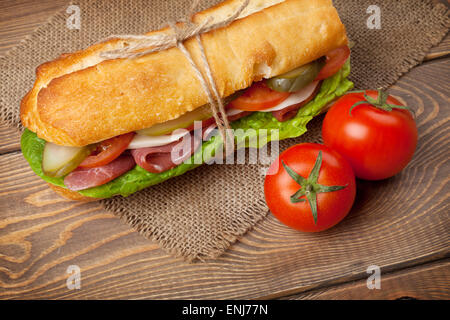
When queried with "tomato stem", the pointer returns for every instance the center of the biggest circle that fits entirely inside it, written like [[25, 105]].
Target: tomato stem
[[309, 188], [380, 102]]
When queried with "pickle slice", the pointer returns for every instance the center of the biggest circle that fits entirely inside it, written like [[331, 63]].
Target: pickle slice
[[58, 161], [184, 121], [296, 79]]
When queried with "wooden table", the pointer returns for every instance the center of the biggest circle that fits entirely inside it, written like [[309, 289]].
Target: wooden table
[[401, 224]]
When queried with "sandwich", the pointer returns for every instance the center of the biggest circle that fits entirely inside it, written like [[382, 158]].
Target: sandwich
[[97, 128]]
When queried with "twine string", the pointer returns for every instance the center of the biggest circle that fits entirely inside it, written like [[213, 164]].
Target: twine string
[[140, 45]]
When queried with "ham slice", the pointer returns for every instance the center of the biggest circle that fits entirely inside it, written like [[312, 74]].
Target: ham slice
[[163, 158], [84, 178]]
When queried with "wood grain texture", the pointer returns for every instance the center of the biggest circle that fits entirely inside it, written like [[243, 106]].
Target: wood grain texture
[[9, 139], [425, 282], [18, 18], [394, 224]]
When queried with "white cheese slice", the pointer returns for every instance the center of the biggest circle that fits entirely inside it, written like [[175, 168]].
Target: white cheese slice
[[141, 141], [295, 98], [233, 112]]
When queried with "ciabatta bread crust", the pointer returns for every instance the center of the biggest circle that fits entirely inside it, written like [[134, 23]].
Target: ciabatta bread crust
[[79, 99]]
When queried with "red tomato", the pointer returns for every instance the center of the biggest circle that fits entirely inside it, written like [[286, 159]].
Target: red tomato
[[108, 151], [282, 190], [335, 60], [258, 97], [377, 143]]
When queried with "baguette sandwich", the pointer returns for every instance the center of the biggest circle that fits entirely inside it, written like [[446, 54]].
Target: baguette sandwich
[[98, 128]]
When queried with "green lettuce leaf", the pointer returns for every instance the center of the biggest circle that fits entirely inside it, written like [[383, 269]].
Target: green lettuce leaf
[[138, 178]]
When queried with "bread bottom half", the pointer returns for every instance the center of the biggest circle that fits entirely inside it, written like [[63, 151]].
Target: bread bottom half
[[71, 195]]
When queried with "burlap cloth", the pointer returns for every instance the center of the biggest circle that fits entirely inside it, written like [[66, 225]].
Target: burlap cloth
[[199, 214]]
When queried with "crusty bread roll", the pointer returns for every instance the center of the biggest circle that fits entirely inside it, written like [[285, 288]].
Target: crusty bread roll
[[78, 99]]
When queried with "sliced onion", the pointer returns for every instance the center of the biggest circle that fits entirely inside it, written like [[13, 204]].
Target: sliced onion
[[142, 141]]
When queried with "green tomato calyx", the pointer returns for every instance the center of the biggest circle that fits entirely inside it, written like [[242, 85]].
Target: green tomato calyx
[[380, 102], [309, 188]]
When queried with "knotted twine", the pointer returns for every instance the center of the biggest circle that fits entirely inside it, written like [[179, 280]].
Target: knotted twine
[[182, 31]]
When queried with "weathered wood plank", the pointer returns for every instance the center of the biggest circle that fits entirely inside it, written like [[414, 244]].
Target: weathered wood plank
[[425, 282], [395, 223], [18, 18], [9, 139]]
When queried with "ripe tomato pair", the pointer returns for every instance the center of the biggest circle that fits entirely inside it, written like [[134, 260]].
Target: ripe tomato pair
[[311, 187]]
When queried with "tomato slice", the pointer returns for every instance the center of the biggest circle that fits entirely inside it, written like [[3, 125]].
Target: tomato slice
[[335, 60], [108, 151], [258, 97]]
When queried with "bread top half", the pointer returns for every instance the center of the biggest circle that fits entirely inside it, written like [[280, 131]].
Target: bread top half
[[79, 98]]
